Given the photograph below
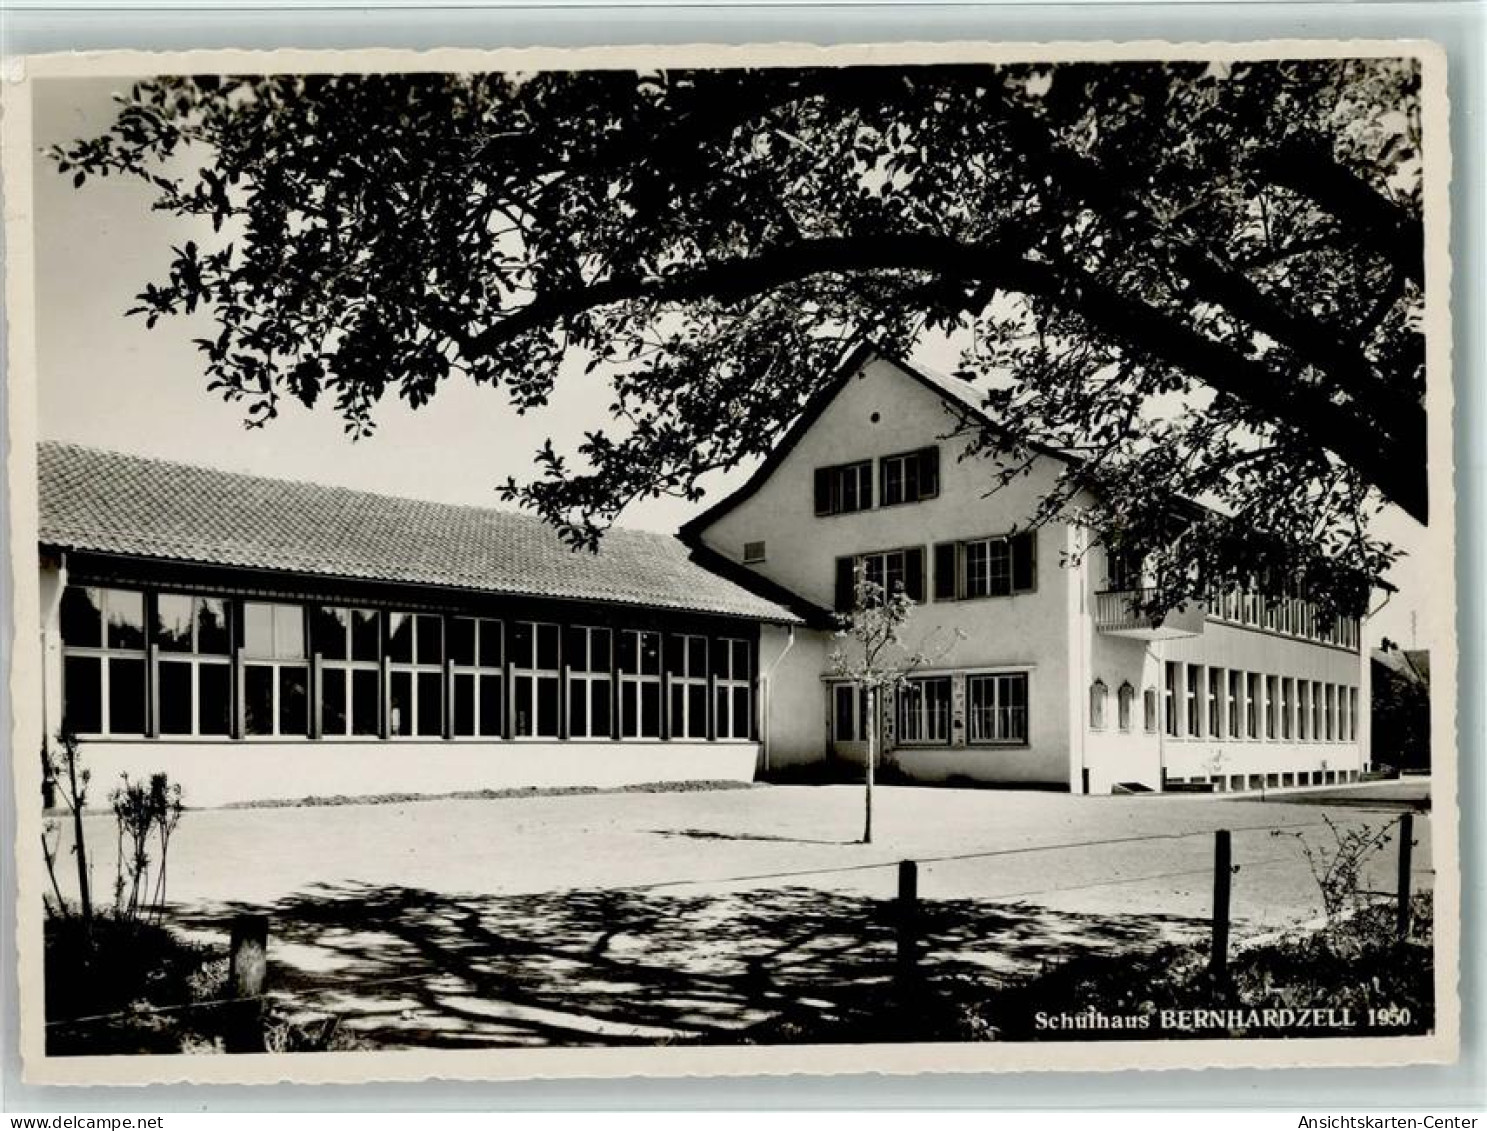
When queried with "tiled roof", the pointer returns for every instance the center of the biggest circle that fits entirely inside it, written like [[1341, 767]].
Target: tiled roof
[[109, 502]]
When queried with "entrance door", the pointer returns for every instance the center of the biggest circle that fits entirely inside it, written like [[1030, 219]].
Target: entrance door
[[848, 722]]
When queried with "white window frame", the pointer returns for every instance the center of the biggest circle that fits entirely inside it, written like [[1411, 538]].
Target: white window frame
[[477, 671], [535, 676], [632, 685], [1004, 717], [419, 665], [915, 692], [196, 661], [588, 677], [348, 667], [104, 653], [680, 683], [277, 663], [727, 727]]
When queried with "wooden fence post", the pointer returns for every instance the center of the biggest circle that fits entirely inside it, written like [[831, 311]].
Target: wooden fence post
[[1222, 869], [1406, 844], [908, 920], [247, 969]]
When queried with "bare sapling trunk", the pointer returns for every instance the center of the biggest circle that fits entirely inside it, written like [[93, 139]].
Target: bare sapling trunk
[[79, 846], [872, 757]]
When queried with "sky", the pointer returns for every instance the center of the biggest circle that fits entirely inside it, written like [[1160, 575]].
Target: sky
[[108, 381]]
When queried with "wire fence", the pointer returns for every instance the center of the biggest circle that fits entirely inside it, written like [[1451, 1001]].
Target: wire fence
[[246, 978]]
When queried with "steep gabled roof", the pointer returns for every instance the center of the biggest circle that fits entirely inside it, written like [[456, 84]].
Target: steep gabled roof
[[960, 394], [108, 502]]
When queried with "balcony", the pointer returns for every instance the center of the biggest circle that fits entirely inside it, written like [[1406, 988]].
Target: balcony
[[1116, 614]]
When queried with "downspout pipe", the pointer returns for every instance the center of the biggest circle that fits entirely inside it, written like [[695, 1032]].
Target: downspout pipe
[[767, 682]]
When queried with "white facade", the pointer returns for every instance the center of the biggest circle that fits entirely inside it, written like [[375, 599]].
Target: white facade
[[1056, 637]]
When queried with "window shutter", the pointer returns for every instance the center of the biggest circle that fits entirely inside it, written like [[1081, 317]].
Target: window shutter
[[945, 587], [929, 473], [1024, 562], [914, 573], [865, 479], [844, 585], [823, 490]]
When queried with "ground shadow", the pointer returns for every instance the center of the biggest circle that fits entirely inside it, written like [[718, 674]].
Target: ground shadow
[[408, 967], [713, 834]]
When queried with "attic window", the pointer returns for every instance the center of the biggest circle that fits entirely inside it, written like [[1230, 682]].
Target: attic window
[[753, 552]]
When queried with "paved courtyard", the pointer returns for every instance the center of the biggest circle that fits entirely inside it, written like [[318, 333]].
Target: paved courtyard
[[655, 916]]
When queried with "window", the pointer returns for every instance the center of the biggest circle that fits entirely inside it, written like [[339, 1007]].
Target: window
[[1149, 709], [844, 489], [848, 713], [1353, 713], [910, 477], [1318, 712], [996, 706], [924, 712], [1124, 699], [1195, 700], [1215, 702], [415, 675], [535, 680], [686, 670], [1097, 696], [1330, 712], [986, 567], [1287, 708], [640, 684], [475, 666], [193, 666], [587, 653], [103, 661], [1173, 672], [1303, 713], [349, 643], [1252, 705], [753, 552], [892, 570], [1240, 704], [732, 688], [1122, 571], [1272, 704], [276, 671]]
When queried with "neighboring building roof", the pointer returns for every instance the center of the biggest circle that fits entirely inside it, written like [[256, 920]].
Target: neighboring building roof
[[108, 502], [1409, 663]]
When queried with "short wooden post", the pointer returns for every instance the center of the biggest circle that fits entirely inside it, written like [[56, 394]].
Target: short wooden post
[[908, 920], [1406, 845], [247, 969], [1222, 869]]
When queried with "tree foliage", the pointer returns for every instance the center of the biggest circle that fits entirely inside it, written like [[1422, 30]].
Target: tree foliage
[[1204, 280]]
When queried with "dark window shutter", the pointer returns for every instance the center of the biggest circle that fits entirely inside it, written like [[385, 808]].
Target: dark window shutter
[[823, 490], [929, 473], [945, 555], [914, 573], [1024, 561], [844, 585]]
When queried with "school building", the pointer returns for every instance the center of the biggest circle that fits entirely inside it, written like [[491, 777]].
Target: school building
[[258, 638]]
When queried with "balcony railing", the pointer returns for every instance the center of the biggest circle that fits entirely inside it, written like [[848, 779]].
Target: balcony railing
[[1119, 612]]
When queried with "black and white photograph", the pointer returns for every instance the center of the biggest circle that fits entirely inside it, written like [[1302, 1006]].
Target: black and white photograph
[[732, 560]]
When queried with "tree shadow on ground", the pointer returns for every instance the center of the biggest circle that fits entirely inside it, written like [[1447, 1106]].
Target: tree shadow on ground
[[713, 834], [409, 967]]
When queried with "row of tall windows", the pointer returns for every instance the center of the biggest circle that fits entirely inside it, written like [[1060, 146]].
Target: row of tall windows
[[1218, 703], [1287, 615], [173, 664]]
